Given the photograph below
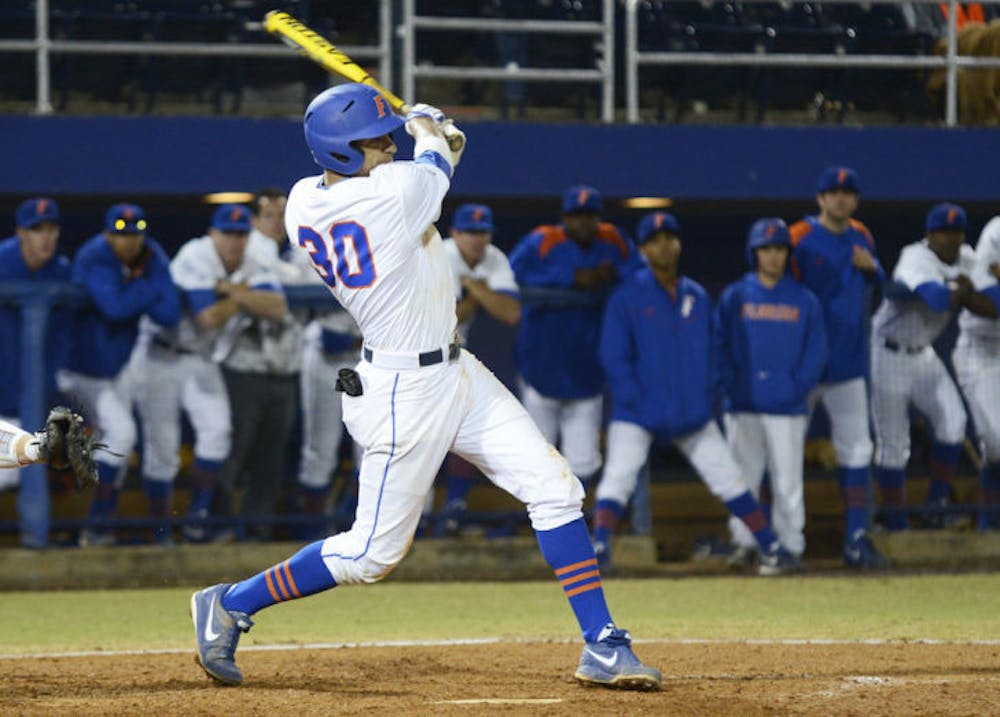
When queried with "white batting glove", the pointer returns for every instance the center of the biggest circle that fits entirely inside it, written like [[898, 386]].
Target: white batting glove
[[456, 140], [423, 110]]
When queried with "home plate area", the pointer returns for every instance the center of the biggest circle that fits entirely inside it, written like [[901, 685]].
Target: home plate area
[[523, 678]]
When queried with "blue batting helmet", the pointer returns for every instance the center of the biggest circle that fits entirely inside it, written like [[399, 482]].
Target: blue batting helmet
[[344, 114], [766, 232]]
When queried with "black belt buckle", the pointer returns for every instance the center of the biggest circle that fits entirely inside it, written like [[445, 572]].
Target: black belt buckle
[[349, 382]]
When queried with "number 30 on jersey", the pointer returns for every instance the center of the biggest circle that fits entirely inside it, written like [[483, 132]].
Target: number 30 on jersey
[[352, 262]]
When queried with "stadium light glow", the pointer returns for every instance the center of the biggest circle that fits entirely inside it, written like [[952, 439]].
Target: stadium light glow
[[647, 202], [228, 198]]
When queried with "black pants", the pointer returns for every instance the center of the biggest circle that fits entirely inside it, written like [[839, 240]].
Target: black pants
[[263, 409]]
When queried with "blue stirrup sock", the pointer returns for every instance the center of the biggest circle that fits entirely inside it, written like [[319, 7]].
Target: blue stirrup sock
[[989, 488], [746, 508], [303, 574], [205, 473], [105, 499], [854, 491], [568, 551], [944, 466], [607, 513], [892, 486]]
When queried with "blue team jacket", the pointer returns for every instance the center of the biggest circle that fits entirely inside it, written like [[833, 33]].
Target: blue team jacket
[[770, 345], [13, 268], [556, 351], [657, 353], [105, 335], [822, 261]]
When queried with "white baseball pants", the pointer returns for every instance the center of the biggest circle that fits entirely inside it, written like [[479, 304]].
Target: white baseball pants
[[846, 404], [977, 367], [705, 449], [174, 382], [900, 379], [407, 421], [573, 425], [776, 444]]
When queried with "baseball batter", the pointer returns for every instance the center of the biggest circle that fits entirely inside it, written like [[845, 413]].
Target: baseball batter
[[127, 275], [367, 221], [772, 350], [556, 351], [834, 256], [977, 365], [31, 254], [656, 348], [905, 368]]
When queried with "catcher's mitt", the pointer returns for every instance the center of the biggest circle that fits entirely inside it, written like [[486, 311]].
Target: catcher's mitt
[[65, 444]]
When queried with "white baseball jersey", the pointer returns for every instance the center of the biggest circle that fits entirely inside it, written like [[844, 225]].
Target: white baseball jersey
[[414, 307], [909, 322], [493, 268], [987, 253]]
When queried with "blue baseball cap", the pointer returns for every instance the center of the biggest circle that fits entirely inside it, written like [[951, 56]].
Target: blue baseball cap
[[582, 198], [125, 219], [473, 218], [32, 212], [838, 177], [946, 216], [231, 218], [657, 222]]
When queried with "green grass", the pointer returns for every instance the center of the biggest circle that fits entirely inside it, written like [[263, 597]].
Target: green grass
[[941, 607]]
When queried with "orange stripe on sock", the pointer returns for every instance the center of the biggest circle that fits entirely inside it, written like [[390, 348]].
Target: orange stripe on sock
[[270, 586], [584, 588], [576, 566], [288, 579], [281, 583], [579, 578]]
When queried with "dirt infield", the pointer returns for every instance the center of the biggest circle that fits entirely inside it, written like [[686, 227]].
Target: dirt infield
[[521, 678]]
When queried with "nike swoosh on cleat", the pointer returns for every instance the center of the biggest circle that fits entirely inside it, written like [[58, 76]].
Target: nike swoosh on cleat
[[608, 662], [210, 634]]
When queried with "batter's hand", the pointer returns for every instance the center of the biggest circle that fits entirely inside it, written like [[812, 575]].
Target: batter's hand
[[456, 140], [863, 259], [423, 110]]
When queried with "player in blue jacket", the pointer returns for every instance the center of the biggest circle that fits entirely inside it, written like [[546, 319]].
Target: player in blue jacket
[[556, 351], [656, 349], [834, 256], [771, 348], [31, 254], [127, 275]]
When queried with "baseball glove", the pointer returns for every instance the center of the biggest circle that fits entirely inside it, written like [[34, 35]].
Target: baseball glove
[[65, 444]]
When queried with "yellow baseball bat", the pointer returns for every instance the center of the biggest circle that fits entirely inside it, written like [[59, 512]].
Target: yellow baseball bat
[[324, 53]]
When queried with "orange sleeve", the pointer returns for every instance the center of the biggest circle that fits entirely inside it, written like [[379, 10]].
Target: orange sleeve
[[798, 231], [864, 230], [609, 234], [552, 236]]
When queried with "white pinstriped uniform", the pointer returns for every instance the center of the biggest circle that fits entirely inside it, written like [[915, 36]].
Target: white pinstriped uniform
[[905, 368], [977, 353], [372, 238]]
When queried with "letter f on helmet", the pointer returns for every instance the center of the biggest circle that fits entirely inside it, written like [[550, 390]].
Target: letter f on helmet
[[341, 115]]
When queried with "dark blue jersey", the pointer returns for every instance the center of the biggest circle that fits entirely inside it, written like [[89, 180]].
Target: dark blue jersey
[[557, 347], [656, 350], [770, 345], [13, 268], [105, 335], [823, 261]]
